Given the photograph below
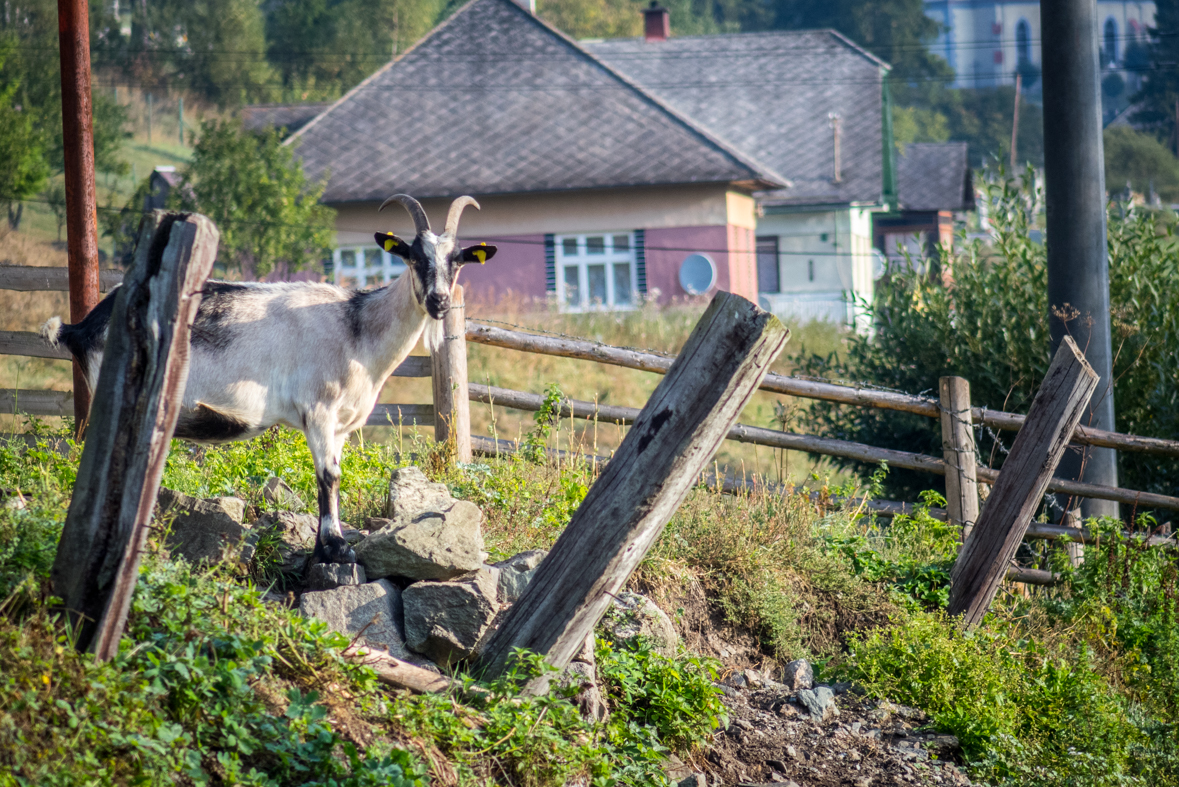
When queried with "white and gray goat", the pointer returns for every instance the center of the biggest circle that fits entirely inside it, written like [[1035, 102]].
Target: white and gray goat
[[308, 355]]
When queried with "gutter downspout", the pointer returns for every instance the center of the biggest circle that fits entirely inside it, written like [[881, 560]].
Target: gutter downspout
[[888, 154]]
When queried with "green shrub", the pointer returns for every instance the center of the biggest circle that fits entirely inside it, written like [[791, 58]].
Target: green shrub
[[982, 313], [1024, 715]]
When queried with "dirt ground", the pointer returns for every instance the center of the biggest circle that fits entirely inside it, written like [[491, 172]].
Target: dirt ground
[[773, 740]]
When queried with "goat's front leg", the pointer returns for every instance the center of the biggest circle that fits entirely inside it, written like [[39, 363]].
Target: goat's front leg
[[330, 546]]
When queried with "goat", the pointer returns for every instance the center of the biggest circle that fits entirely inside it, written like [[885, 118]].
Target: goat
[[311, 356]]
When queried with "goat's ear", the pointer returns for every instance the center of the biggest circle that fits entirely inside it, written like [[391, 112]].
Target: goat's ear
[[480, 254], [392, 244]]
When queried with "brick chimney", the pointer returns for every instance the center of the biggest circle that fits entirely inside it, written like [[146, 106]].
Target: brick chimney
[[656, 22]]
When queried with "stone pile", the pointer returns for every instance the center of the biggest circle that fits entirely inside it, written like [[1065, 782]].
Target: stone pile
[[421, 588]]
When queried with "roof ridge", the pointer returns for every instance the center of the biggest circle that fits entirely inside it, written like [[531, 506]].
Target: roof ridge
[[728, 149]]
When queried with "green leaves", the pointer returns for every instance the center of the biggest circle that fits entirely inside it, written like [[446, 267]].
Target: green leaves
[[254, 189]]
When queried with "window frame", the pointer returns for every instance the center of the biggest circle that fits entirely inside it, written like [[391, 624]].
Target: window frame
[[609, 258], [388, 270]]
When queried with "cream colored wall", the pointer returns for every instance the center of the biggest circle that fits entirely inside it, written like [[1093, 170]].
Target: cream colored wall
[[561, 212]]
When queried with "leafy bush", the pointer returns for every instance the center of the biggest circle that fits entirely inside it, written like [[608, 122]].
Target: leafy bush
[[982, 314]]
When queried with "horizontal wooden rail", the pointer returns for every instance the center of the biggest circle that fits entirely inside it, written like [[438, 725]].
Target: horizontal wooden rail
[[13, 401], [792, 386], [29, 343], [29, 278], [414, 366], [817, 445], [401, 415]]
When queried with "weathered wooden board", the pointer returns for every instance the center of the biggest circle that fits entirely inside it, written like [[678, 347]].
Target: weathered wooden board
[[401, 415], [17, 400], [30, 344], [1018, 492], [29, 278], [452, 405], [958, 453], [144, 371], [658, 462]]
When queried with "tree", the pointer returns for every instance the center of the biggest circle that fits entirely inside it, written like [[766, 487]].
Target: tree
[[324, 47], [1159, 96], [254, 189], [1140, 160], [23, 168]]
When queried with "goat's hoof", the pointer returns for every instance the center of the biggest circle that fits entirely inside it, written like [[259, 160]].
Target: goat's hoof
[[334, 553]]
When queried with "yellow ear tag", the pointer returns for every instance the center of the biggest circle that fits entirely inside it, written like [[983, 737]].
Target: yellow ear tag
[[388, 244], [482, 255]]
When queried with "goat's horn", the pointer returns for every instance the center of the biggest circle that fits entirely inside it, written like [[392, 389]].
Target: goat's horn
[[456, 210], [420, 222]]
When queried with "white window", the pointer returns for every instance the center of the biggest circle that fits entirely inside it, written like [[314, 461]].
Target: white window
[[597, 271], [365, 266]]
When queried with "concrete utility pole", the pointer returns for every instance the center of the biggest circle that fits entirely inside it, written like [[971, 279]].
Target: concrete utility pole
[[1074, 173], [73, 27]]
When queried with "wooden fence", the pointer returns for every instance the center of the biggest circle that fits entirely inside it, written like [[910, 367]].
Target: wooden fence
[[449, 375]]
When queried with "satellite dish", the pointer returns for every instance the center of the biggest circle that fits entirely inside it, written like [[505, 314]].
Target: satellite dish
[[697, 274]]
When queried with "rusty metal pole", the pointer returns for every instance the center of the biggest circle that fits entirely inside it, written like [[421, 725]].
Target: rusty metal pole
[[73, 28]]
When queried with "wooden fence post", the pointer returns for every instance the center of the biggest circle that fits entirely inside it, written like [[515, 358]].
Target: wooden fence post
[[1017, 493], [144, 371], [452, 406], [672, 440], [958, 453]]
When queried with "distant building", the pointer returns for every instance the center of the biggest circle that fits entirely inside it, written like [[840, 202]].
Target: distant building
[[987, 41], [610, 171]]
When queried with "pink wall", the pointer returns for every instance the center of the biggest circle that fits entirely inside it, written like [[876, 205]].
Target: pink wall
[[731, 249], [516, 268]]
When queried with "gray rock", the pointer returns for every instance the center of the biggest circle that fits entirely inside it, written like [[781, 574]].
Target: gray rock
[[283, 540], [410, 493], [373, 608], [695, 780], [429, 534], [203, 531], [447, 621], [516, 572], [325, 576], [820, 702], [631, 616], [798, 674], [276, 492]]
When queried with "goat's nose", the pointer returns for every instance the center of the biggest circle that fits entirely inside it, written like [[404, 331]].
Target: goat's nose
[[438, 303]]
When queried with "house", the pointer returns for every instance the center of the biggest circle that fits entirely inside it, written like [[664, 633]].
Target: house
[[611, 171], [934, 182]]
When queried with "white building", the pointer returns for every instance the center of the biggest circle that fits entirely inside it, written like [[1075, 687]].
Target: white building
[[988, 41]]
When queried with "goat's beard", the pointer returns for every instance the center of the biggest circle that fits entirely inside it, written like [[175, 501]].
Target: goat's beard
[[434, 334]]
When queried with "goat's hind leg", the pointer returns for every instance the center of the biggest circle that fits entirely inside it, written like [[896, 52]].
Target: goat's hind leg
[[330, 546]]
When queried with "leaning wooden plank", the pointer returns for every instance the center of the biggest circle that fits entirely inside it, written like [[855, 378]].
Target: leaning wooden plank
[[133, 415], [19, 400], [1019, 491], [401, 415], [29, 344], [793, 386], [677, 434], [819, 445], [399, 674], [29, 278]]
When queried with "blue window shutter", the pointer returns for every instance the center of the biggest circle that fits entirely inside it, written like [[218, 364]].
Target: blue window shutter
[[641, 259], [550, 263]]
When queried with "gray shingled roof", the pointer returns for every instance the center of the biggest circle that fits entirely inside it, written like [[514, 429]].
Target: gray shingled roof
[[495, 101], [935, 176], [292, 117], [770, 95]]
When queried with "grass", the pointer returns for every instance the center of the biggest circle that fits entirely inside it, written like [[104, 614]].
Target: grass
[[1073, 685]]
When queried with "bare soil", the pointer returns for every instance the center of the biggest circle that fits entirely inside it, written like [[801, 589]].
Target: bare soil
[[773, 740]]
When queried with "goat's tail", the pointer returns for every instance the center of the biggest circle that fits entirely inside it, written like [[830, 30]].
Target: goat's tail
[[51, 332]]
